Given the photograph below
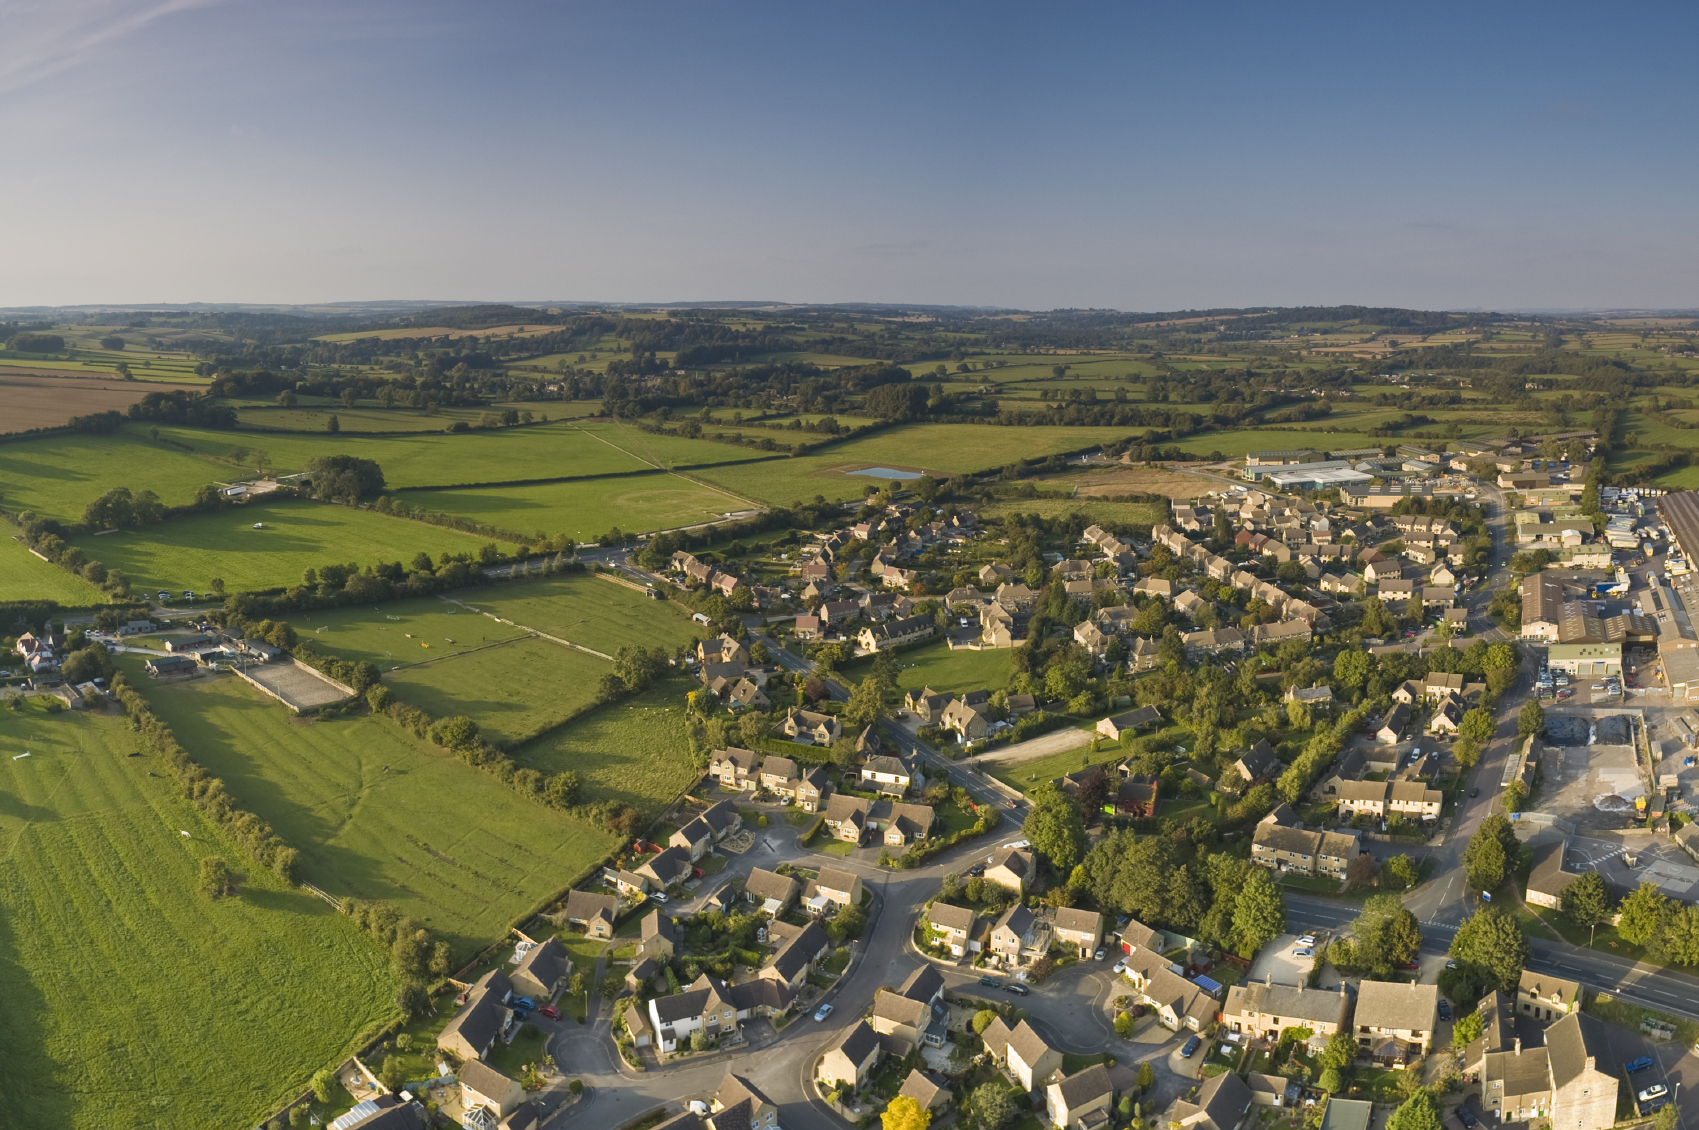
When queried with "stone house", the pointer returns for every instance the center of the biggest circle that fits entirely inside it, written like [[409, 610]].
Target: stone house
[[472, 1032], [955, 927], [1081, 929], [543, 969], [1022, 1052], [1262, 1009], [771, 892], [1080, 1101], [1395, 1022], [852, 1058], [596, 913], [1011, 868]]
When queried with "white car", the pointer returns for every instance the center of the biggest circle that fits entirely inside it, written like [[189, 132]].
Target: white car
[[1121, 967], [1655, 1091], [1303, 951], [1306, 940], [699, 1108]]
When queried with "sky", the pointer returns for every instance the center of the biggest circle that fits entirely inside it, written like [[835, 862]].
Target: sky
[[1135, 156]]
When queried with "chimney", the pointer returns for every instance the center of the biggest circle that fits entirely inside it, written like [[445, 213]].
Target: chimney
[[1519, 1045], [1268, 979]]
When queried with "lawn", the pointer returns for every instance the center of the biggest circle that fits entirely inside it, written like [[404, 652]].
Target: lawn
[[58, 477], [634, 751], [379, 815], [598, 614], [585, 510], [129, 994], [188, 552], [1028, 775], [511, 690], [401, 632], [24, 576], [499, 455], [938, 667]]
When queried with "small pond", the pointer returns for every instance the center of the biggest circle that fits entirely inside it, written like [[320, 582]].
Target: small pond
[[888, 473]]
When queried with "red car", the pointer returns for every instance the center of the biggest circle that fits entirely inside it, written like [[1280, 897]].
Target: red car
[[549, 1011]]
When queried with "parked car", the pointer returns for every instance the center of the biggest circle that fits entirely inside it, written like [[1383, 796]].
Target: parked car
[[1191, 1048], [991, 982], [549, 1011], [823, 1012], [1467, 1117], [1655, 1091], [1410, 967], [1306, 940], [1016, 988], [1445, 1010], [1640, 1064], [1451, 964], [658, 896], [1121, 966], [1303, 951], [523, 1002], [1100, 954]]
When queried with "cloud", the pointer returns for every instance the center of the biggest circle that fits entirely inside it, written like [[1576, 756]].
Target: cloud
[[43, 39]]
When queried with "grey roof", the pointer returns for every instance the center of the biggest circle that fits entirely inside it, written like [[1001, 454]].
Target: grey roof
[[696, 831], [858, 1043], [1083, 1086], [766, 884], [1527, 1072], [951, 917], [1575, 1043], [483, 1078], [923, 1088], [923, 984], [679, 1006], [482, 1018], [834, 879], [669, 866], [1028, 1044], [1017, 920], [547, 962], [1384, 1004], [793, 957], [1223, 1100], [900, 1009], [1079, 921], [735, 1088], [1548, 876], [759, 993]]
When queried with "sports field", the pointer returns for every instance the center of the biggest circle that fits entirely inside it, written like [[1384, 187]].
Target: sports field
[[586, 510], [379, 815], [400, 632], [634, 751], [510, 690], [187, 552], [56, 477], [24, 576], [597, 614], [131, 997]]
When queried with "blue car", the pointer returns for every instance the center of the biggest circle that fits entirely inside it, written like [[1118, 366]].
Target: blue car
[[1190, 1048], [524, 1002], [1640, 1064]]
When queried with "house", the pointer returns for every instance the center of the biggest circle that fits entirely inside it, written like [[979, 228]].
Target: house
[[1189, 603], [928, 1091], [596, 913], [1258, 763], [903, 1021], [888, 774], [712, 1006], [1395, 1022], [1144, 655], [1176, 1001], [657, 936], [1017, 937], [1318, 697], [1138, 794], [485, 1090], [927, 704], [1279, 633], [847, 817], [807, 628], [1080, 1101], [1217, 642], [1287, 848], [1082, 929], [541, 971], [734, 768], [1262, 1009], [722, 818], [1545, 997], [1129, 722], [770, 891], [666, 868], [738, 1105], [839, 888], [475, 1027], [1011, 868], [907, 823], [1156, 586], [779, 775], [995, 574], [796, 957], [1393, 725], [969, 722], [1022, 1052], [954, 926], [1446, 719], [747, 694], [1270, 1090], [1561, 1083], [1222, 1103], [1548, 880], [638, 979], [836, 613], [1089, 636], [821, 729], [812, 788], [724, 649], [696, 838], [630, 884], [851, 1060], [910, 629]]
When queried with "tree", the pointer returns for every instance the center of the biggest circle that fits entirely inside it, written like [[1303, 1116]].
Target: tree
[[1331, 1080], [1147, 1077], [323, 1080], [866, 703], [1418, 1112], [1487, 859], [990, 1105], [1259, 913], [1351, 670], [344, 478], [1478, 723], [699, 1040], [413, 999], [1339, 1052], [1360, 872], [1643, 915], [1125, 1025], [1386, 934], [283, 636], [1055, 829], [904, 1113], [982, 1020], [217, 877], [1468, 1029], [1666, 1118], [1399, 873], [1467, 752], [1532, 719], [1492, 946]]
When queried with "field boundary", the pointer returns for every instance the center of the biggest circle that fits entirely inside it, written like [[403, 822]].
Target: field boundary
[[527, 628]]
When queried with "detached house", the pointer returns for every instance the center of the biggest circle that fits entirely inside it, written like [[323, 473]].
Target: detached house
[[1011, 868], [596, 913], [474, 1029], [1395, 1022], [821, 729], [1081, 1101], [542, 970], [1022, 1052], [891, 775], [955, 927], [734, 768], [770, 891], [1081, 929], [1018, 938], [852, 1059]]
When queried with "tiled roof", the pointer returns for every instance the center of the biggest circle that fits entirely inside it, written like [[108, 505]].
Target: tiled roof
[[1384, 1004]]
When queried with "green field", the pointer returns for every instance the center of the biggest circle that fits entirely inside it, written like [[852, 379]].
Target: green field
[[186, 553], [594, 613], [24, 576], [57, 477], [1098, 510], [401, 632], [379, 815], [510, 690], [313, 413], [130, 997], [634, 751], [1236, 444], [674, 451], [584, 511], [938, 667]]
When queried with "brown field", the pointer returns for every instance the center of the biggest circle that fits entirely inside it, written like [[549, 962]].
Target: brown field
[[1134, 480], [38, 400], [442, 331]]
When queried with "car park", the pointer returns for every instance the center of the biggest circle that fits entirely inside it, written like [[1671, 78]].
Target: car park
[[1191, 1048], [823, 1012]]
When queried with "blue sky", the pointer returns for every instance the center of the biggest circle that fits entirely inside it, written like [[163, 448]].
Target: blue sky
[[1135, 156]]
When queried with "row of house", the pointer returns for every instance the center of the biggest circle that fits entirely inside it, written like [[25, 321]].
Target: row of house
[[1393, 1023]]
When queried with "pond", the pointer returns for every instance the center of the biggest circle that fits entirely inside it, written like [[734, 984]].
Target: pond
[[888, 473]]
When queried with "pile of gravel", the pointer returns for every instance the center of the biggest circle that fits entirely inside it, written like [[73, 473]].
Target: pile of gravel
[[1614, 730], [1567, 730]]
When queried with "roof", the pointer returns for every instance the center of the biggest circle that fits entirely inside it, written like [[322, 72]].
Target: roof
[[720, 816], [1079, 921], [770, 884], [483, 1078], [1385, 1004], [923, 984], [1222, 1101], [548, 962], [1397, 718], [735, 1088], [900, 1009], [482, 1018], [1285, 1001], [1548, 876], [1014, 859], [1083, 1086], [858, 1043], [996, 1037], [1574, 1043], [794, 955], [1549, 987], [923, 1088], [1342, 1114], [833, 879], [951, 917], [1027, 1044]]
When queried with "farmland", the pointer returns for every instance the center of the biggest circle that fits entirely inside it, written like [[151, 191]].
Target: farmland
[[510, 690], [668, 451], [596, 614], [188, 552], [57, 477], [24, 576], [121, 978], [37, 400], [635, 751], [401, 632], [312, 414], [379, 815], [584, 511]]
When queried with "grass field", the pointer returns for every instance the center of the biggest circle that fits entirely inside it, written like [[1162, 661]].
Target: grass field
[[634, 751], [1096, 509], [57, 477], [186, 553], [938, 667], [132, 998], [397, 634], [585, 511], [1236, 444], [673, 451], [510, 690], [24, 576], [312, 414], [379, 815], [597, 614]]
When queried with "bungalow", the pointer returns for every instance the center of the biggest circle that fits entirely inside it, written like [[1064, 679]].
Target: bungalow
[[596, 913], [1258, 763], [1129, 722], [770, 891], [851, 1060], [747, 694], [542, 969], [954, 926], [1081, 1101], [1082, 929], [475, 1027], [881, 637], [821, 729]]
